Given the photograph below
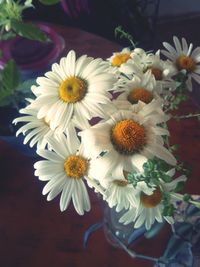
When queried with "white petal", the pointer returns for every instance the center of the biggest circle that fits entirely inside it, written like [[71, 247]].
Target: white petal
[[66, 194], [162, 153]]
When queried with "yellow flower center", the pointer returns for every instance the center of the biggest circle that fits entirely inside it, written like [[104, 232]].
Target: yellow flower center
[[152, 200], [121, 183], [72, 89], [128, 137], [185, 63], [120, 59], [141, 94], [75, 166], [157, 73]]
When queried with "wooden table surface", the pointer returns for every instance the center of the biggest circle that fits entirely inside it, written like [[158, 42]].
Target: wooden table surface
[[34, 233]]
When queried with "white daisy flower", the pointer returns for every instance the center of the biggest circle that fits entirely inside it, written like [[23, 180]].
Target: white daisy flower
[[74, 88], [160, 69], [118, 193], [65, 169], [137, 65], [184, 58], [139, 89], [150, 204], [129, 139], [36, 130], [118, 59]]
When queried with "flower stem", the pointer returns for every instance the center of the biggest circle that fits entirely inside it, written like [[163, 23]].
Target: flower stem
[[186, 116]]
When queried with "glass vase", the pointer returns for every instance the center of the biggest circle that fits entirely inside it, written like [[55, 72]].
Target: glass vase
[[183, 247]]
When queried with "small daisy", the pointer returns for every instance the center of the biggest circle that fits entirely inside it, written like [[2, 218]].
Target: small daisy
[[184, 59], [137, 65], [119, 58], [129, 139], [65, 169], [73, 88], [36, 130], [150, 206], [118, 193], [139, 89], [160, 69]]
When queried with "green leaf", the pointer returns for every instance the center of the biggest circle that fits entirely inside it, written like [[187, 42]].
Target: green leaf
[[25, 87], [28, 31], [49, 2], [10, 80], [168, 210], [10, 76], [166, 178], [186, 197], [179, 186], [148, 166]]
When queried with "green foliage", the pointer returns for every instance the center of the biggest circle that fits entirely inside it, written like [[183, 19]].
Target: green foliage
[[49, 2], [179, 98], [28, 31], [122, 34], [168, 209], [179, 186], [9, 81], [186, 197], [12, 90], [154, 170], [11, 22]]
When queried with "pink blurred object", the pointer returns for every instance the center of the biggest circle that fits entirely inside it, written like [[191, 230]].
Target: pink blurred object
[[74, 7], [33, 57]]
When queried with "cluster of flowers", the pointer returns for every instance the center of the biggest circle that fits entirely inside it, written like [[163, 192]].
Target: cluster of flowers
[[103, 123]]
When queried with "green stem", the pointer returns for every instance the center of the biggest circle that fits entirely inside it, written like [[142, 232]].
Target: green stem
[[1, 33], [186, 116]]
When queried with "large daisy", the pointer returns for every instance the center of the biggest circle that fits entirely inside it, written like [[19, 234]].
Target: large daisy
[[73, 88], [127, 140], [149, 207], [65, 168], [184, 58]]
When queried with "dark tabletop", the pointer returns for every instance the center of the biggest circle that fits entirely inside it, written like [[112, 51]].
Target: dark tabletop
[[34, 233]]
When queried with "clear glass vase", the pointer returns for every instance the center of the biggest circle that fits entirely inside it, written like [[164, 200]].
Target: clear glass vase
[[183, 247]]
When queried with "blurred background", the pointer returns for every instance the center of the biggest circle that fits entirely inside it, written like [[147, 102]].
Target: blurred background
[[150, 22]]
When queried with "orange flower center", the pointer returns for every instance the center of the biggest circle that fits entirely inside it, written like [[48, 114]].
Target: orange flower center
[[152, 200], [120, 59], [75, 166], [72, 89], [185, 63], [157, 73], [141, 94], [128, 137]]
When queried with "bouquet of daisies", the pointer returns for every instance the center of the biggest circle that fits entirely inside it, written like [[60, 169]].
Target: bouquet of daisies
[[103, 124]]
